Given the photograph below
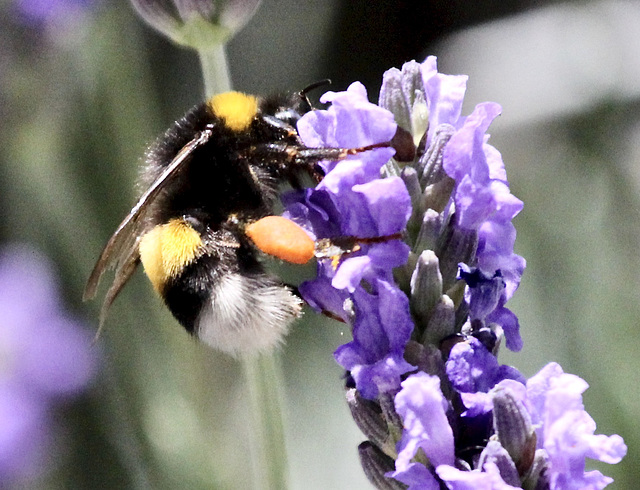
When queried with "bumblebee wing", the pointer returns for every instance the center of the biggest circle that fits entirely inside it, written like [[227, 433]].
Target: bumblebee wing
[[121, 251]]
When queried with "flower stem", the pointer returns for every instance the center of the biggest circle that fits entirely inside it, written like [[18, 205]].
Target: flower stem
[[215, 70], [264, 380], [262, 373]]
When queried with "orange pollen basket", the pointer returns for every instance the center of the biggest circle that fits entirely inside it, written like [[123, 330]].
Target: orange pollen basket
[[282, 238]]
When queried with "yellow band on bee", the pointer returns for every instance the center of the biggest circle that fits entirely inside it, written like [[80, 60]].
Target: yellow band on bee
[[235, 108], [167, 249]]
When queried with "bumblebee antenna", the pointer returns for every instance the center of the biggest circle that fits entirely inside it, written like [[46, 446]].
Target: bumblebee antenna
[[320, 83]]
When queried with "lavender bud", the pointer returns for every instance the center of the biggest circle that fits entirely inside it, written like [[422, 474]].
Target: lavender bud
[[426, 288], [512, 424], [392, 98], [441, 323], [429, 166], [495, 453], [376, 465], [368, 417]]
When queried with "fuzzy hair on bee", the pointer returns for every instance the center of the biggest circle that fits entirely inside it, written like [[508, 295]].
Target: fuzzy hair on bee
[[212, 175]]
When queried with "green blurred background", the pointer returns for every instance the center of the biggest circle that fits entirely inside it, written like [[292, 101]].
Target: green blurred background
[[82, 95]]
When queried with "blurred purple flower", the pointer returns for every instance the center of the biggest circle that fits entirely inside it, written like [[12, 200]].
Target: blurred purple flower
[[46, 358], [197, 23], [41, 12]]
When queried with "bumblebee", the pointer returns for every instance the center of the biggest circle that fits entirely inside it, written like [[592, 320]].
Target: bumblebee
[[203, 222]]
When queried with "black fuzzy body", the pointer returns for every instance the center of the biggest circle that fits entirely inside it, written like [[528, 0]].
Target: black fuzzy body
[[229, 181], [208, 177]]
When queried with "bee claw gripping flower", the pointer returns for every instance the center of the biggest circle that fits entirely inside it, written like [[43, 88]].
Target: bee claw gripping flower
[[424, 294]]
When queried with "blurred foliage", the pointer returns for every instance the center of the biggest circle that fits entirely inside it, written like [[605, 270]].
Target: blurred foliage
[[79, 102]]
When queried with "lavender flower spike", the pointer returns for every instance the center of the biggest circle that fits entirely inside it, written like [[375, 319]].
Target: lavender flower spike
[[424, 291]]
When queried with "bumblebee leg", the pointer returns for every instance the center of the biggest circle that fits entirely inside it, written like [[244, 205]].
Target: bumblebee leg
[[327, 313], [281, 158]]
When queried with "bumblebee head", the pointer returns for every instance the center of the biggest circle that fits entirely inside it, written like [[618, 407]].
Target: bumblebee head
[[289, 108], [286, 108]]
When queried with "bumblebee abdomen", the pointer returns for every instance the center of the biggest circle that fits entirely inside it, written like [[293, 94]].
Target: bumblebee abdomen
[[214, 286], [247, 313], [187, 293]]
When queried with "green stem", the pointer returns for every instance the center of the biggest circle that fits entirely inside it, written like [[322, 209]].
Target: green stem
[[263, 373], [215, 70], [268, 453]]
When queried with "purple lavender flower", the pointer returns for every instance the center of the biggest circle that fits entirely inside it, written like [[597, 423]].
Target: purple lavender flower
[[484, 204], [353, 201], [487, 479], [46, 358], [565, 431], [427, 311], [381, 327], [481, 197], [423, 409], [542, 435], [471, 368]]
